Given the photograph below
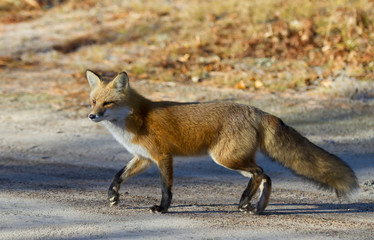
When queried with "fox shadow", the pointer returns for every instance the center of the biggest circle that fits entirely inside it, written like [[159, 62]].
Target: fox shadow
[[276, 209], [23, 175], [319, 208]]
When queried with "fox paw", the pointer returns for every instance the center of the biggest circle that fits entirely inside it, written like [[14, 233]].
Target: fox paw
[[113, 197], [157, 209], [248, 208]]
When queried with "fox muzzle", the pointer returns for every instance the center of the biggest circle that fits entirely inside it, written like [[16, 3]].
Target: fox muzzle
[[95, 117]]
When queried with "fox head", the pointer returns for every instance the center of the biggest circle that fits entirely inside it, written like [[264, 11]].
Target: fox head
[[108, 98]]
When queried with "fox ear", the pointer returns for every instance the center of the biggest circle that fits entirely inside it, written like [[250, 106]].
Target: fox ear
[[93, 78], [121, 82]]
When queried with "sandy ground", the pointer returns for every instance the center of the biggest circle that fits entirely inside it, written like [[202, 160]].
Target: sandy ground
[[56, 167]]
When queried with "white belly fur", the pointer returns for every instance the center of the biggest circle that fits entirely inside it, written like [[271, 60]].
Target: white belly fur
[[125, 138]]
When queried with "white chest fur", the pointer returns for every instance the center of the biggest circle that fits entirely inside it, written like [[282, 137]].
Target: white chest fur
[[118, 130]]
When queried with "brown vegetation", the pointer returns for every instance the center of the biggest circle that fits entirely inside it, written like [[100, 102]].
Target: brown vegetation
[[249, 45]]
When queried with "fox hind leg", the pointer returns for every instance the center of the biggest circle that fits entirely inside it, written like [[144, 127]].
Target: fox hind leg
[[265, 190], [258, 181], [134, 167], [249, 192], [240, 156]]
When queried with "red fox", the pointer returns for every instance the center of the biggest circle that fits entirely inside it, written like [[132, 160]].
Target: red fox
[[230, 133]]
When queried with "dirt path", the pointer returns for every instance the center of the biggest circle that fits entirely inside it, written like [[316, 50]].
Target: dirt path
[[56, 167]]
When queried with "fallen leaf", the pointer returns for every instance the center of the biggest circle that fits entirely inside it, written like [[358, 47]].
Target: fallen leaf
[[240, 85], [326, 83], [195, 79], [258, 84], [184, 58]]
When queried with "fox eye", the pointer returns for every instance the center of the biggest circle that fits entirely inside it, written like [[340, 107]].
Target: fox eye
[[94, 102], [107, 103]]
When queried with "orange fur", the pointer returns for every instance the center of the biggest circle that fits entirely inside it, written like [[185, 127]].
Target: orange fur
[[230, 133]]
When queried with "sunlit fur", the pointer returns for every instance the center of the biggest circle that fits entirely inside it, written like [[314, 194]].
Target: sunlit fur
[[230, 133]]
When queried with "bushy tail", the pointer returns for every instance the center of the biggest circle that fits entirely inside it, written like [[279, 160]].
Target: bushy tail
[[288, 147]]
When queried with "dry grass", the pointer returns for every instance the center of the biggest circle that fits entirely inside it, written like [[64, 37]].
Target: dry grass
[[250, 45]]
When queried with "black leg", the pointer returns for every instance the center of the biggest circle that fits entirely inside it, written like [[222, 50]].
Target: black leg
[[250, 191], [114, 187], [245, 199], [265, 191], [166, 175], [166, 198], [134, 167]]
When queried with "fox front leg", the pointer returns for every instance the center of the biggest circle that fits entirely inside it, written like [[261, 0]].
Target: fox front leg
[[165, 166], [134, 167]]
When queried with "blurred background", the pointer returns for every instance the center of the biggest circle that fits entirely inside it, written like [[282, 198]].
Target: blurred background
[[257, 46]]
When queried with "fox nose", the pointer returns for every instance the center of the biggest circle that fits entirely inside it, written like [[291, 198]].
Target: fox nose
[[91, 116]]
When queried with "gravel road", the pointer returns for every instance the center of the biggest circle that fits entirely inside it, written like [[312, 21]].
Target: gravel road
[[55, 168]]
